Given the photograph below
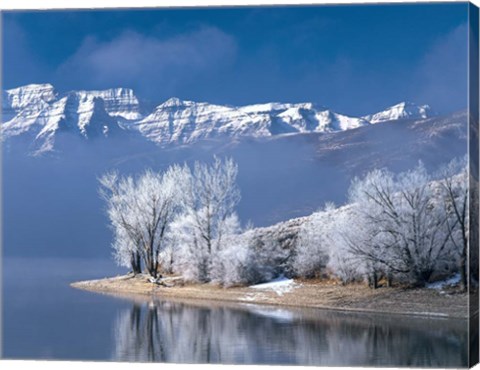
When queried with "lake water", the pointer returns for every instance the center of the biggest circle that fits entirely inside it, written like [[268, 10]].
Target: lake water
[[43, 318]]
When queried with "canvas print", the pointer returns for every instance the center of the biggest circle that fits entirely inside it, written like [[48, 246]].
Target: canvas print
[[282, 185]]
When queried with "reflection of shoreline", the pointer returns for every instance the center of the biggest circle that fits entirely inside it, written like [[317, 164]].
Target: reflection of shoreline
[[351, 298], [166, 331]]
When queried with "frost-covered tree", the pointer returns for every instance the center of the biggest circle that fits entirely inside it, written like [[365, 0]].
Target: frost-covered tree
[[126, 251], [157, 205], [233, 264], [140, 211], [349, 232], [249, 258], [119, 194], [410, 234], [168, 255], [312, 246], [268, 259], [454, 190], [193, 259], [208, 220]]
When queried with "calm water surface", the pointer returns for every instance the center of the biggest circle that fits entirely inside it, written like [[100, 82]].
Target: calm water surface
[[43, 318]]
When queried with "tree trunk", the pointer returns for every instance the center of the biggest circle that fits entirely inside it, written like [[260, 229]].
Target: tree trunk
[[373, 280], [389, 280], [136, 263], [463, 273]]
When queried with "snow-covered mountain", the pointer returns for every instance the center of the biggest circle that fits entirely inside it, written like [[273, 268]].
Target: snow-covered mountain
[[40, 114], [21, 107], [404, 110], [80, 113], [177, 121], [118, 102]]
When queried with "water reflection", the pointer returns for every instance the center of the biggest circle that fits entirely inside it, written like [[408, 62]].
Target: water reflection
[[164, 331]]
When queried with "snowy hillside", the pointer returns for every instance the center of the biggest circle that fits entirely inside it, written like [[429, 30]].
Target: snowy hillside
[[404, 110], [39, 113]]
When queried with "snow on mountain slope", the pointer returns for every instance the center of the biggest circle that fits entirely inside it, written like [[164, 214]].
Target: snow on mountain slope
[[119, 102], [38, 113], [177, 121], [305, 118], [22, 106], [265, 108], [77, 112], [28, 96], [404, 110]]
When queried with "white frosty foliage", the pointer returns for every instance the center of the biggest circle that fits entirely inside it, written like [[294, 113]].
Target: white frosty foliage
[[411, 227], [141, 211], [208, 220], [313, 245]]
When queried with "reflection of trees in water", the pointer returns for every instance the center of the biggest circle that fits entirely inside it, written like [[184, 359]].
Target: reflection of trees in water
[[173, 332]]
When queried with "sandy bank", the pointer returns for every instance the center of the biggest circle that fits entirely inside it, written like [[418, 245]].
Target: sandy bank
[[313, 294]]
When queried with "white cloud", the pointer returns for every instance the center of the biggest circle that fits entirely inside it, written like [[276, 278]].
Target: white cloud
[[441, 76], [145, 62]]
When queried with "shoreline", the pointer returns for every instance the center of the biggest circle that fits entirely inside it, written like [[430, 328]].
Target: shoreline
[[326, 295]]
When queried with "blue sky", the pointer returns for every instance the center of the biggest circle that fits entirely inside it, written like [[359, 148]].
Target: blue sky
[[353, 59]]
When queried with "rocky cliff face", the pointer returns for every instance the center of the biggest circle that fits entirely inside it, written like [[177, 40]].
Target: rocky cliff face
[[119, 102]]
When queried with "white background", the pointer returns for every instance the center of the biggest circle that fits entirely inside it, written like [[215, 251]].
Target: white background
[[77, 4]]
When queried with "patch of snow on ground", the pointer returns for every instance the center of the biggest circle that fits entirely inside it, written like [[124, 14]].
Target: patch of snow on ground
[[439, 285], [280, 285], [249, 297]]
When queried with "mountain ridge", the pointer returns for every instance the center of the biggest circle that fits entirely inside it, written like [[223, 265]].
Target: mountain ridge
[[40, 112]]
